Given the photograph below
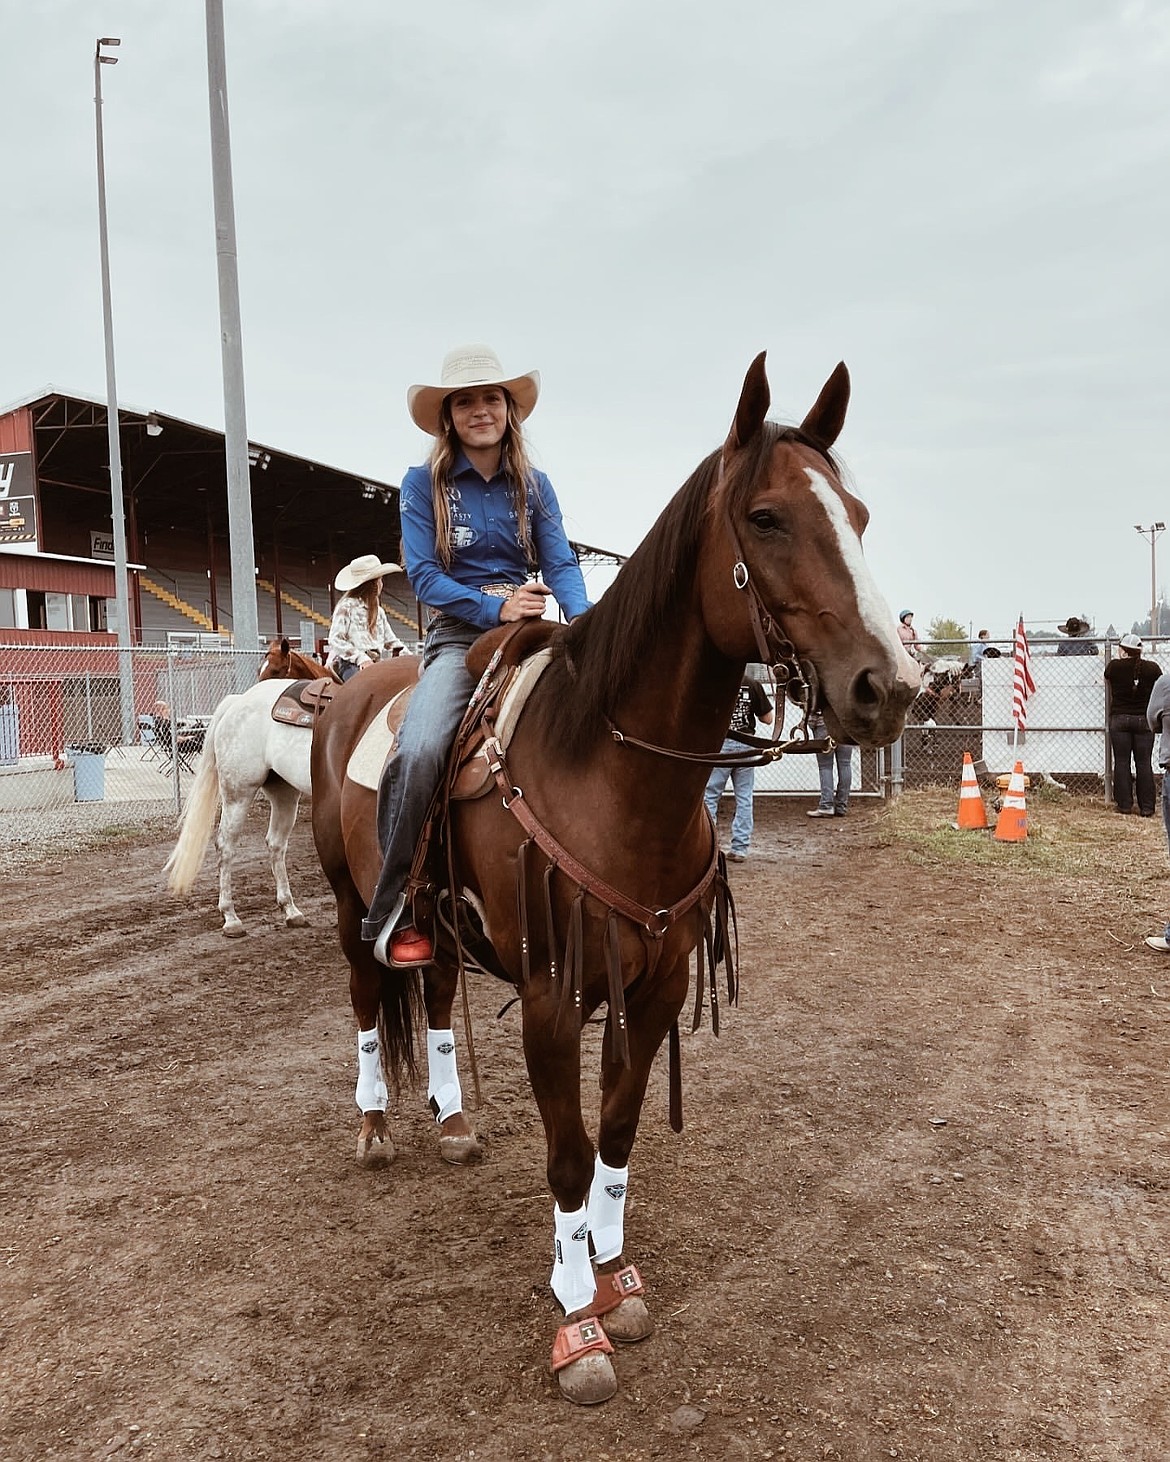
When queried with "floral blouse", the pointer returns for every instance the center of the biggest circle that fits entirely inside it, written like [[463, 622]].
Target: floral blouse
[[350, 637]]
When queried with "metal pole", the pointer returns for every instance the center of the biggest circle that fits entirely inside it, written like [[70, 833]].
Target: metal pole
[[245, 617], [117, 509], [1153, 533]]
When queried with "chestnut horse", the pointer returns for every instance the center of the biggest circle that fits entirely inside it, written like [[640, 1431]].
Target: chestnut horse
[[282, 662], [758, 556]]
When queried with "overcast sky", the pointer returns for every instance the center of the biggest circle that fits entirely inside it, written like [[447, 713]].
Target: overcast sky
[[967, 202]]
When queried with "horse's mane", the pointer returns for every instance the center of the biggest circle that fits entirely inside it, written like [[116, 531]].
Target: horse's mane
[[601, 654]]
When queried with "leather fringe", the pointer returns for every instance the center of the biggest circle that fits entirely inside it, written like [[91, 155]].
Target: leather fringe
[[676, 1116], [620, 1047], [574, 960], [522, 904]]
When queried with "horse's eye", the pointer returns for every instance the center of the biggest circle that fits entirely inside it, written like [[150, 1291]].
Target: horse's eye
[[766, 520]]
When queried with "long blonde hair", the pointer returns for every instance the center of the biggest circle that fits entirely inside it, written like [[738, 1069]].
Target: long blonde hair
[[517, 469]]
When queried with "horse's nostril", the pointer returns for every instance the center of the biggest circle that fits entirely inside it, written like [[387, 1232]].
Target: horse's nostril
[[866, 691]]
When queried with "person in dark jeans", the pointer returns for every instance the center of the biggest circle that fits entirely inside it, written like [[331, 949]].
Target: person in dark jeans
[[1130, 679]]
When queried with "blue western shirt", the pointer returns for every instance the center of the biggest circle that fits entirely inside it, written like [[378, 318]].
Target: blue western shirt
[[484, 547]]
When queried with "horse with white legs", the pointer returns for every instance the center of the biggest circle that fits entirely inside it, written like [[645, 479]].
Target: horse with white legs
[[591, 859], [244, 752]]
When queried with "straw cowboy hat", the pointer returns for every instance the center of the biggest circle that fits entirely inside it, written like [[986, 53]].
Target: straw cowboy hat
[[361, 570], [1074, 626], [470, 365]]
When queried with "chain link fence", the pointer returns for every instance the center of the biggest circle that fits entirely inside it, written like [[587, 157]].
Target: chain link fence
[[95, 738], [967, 706]]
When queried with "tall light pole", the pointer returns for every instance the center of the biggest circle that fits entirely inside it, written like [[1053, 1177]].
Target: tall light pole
[[1153, 533], [117, 508], [245, 617]]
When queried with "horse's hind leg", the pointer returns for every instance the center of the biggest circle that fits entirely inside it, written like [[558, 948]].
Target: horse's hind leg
[[232, 817], [458, 1142], [283, 801]]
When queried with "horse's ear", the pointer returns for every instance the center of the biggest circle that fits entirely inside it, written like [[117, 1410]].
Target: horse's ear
[[825, 420], [754, 400], [284, 647]]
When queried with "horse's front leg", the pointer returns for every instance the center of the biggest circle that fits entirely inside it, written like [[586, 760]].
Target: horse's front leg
[[650, 1012], [553, 1054], [458, 1141], [283, 801]]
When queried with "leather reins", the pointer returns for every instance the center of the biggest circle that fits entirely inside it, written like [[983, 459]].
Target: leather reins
[[795, 678]]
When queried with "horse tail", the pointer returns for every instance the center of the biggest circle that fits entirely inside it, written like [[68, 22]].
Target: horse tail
[[197, 818], [401, 1015]]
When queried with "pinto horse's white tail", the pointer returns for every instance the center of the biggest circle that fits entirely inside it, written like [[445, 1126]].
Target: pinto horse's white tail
[[198, 816]]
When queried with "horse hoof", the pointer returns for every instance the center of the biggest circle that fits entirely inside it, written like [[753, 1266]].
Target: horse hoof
[[374, 1151], [234, 931], [588, 1381], [629, 1321], [296, 921], [460, 1150]]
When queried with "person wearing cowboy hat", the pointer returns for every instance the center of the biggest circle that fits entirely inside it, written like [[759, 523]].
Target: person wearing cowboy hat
[[360, 633], [1129, 681], [1076, 644], [478, 523]]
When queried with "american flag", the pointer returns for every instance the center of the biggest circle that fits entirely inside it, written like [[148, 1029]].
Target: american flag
[[1022, 683]]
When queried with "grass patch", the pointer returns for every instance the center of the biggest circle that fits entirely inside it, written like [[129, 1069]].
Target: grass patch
[[1068, 837]]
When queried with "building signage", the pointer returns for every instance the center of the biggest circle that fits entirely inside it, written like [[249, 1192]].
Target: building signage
[[101, 545], [18, 504]]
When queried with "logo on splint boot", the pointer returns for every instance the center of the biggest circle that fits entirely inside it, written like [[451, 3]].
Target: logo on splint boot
[[369, 1047], [446, 1048], [616, 1190], [582, 1233]]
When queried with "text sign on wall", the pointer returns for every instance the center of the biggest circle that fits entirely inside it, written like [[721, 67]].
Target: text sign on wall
[[18, 504], [101, 545]]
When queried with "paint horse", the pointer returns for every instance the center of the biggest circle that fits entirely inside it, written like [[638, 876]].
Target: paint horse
[[245, 752], [596, 867]]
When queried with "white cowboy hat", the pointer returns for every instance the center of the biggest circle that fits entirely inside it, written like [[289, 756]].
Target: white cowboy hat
[[361, 570], [470, 365]]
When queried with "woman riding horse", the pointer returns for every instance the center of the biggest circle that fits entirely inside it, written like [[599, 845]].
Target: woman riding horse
[[596, 871], [477, 520]]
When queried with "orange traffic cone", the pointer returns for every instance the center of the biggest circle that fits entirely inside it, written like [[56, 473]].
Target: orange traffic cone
[[1012, 824], [972, 812]]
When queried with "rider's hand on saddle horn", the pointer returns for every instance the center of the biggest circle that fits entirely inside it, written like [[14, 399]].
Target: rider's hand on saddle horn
[[526, 602]]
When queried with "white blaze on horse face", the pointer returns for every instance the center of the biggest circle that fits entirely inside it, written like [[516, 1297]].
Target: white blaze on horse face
[[874, 612]]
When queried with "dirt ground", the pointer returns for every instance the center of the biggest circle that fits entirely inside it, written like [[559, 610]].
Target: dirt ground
[[918, 1211]]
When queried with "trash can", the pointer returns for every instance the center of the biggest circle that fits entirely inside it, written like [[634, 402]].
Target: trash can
[[89, 771]]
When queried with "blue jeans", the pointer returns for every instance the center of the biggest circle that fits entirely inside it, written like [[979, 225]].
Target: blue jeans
[[1132, 743], [743, 779], [412, 774], [840, 758]]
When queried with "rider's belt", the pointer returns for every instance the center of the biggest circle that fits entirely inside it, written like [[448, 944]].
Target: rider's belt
[[498, 591]]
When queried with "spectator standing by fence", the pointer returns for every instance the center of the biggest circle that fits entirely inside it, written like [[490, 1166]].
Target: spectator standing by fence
[[1075, 644], [836, 764], [1158, 719], [751, 705], [1130, 681]]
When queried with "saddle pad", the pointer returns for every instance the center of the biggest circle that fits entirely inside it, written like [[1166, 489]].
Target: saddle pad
[[369, 756], [377, 742], [302, 701]]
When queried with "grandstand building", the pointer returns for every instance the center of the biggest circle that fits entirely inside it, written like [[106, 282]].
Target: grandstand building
[[56, 543]]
